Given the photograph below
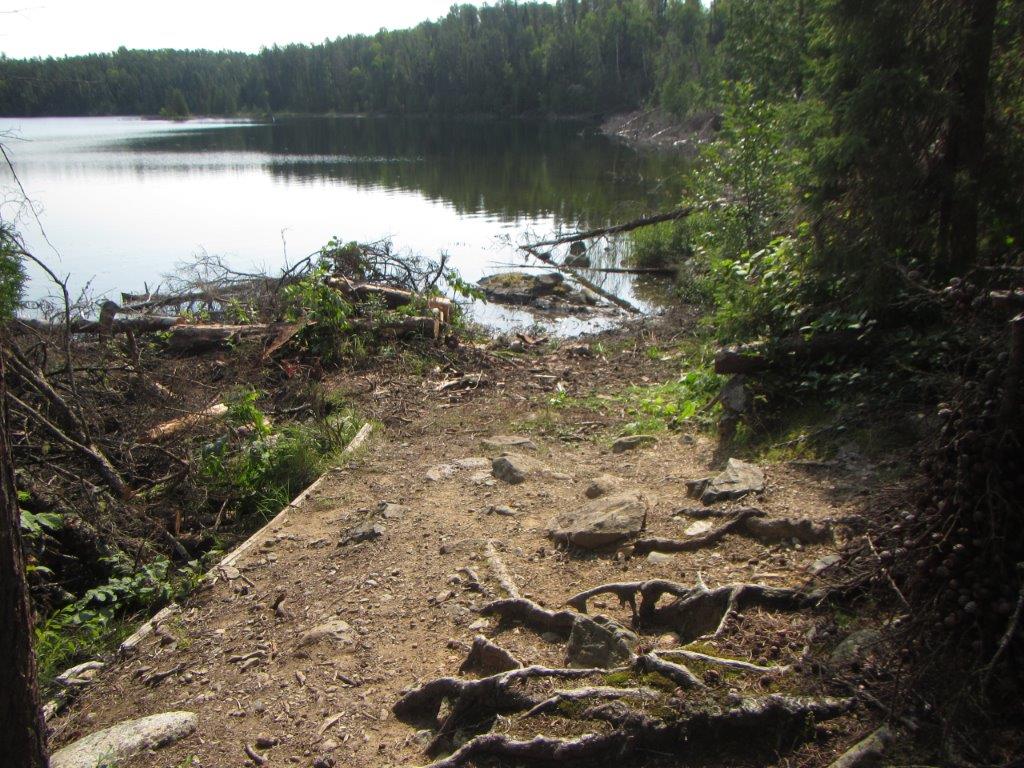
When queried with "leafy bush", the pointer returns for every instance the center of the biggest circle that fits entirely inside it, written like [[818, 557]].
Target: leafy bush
[[12, 273], [667, 406], [662, 245], [93, 623]]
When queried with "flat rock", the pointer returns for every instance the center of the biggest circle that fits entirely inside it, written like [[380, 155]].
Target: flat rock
[[365, 531], [698, 527], [855, 647], [508, 442], [632, 442], [439, 473], [598, 642], [659, 558], [473, 462], [514, 469], [737, 480], [336, 631], [601, 522], [824, 563], [125, 740], [482, 478], [602, 485], [390, 511]]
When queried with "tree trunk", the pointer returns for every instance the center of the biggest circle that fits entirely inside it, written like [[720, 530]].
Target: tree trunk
[[22, 736], [966, 151]]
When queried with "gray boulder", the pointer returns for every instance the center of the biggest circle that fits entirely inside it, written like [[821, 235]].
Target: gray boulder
[[602, 485], [632, 442], [601, 522], [737, 480], [598, 642], [514, 469], [125, 740]]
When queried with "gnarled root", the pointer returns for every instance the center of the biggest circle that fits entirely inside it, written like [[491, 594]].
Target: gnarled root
[[528, 613], [476, 701], [677, 673], [584, 694], [766, 723], [745, 522], [736, 664], [697, 611]]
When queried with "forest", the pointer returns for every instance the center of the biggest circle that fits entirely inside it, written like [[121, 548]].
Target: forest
[[847, 268]]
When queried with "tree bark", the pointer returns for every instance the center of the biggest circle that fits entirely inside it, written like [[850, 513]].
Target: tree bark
[[966, 149], [23, 735]]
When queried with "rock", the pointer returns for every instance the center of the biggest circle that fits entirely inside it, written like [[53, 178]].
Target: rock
[[698, 527], [482, 478], [601, 522], [475, 462], [855, 647], [632, 442], [659, 558], [824, 563], [390, 511], [125, 740], [439, 473], [503, 511], [337, 631], [365, 531], [522, 288], [598, 642], [738, 479], [579, 259], [514, 469], [602, 485], [230, 572], [508, 442]]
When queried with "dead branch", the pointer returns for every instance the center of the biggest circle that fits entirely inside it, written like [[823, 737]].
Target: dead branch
[[174, 426], [582, 280], [629, 226]]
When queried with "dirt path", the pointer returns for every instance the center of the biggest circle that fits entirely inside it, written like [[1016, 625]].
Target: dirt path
[[408, 595]]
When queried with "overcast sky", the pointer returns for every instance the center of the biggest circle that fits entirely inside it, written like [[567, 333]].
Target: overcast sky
[[59, 27]]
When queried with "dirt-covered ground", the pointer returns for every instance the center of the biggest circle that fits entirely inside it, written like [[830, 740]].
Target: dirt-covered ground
[[410, 595]]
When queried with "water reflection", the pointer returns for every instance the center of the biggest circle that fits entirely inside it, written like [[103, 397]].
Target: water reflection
[[126, 199]]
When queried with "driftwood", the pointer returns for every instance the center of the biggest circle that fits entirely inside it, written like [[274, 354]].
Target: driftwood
[[391, 296]]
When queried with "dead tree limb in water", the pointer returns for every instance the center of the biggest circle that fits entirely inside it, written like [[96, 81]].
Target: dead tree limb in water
[[629, 226], [585, 282]]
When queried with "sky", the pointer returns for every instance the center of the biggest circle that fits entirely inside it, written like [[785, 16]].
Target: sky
[[68, 27]]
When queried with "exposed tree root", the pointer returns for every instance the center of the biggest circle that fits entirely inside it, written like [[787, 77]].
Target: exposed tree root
[[748, 522], [501, 574], [677, 673], [476, 701], [488, 658], [697, 611], [712, 537], [868, 752], [528, 613], [766, 723], [736, 664], [584, 694]]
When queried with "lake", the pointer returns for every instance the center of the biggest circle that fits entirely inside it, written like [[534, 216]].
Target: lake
[[122, 201]]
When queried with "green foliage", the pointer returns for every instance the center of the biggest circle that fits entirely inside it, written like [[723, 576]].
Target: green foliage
[[669, 405], [662, 245], [12, 273], [176, 106], [260, 471], [94, 622], [35, 524], [326, 314]]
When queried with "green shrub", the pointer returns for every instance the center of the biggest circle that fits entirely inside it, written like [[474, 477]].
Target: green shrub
[[662, 245], [12, 272]]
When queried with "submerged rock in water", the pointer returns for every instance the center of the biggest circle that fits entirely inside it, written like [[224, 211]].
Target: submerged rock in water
[[547, 291]]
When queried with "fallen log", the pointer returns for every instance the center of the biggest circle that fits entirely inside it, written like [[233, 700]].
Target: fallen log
[[174, 426], [141, 324], [391, 296]]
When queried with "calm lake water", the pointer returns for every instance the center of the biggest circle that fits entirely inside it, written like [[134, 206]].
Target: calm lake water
[[122, 201]]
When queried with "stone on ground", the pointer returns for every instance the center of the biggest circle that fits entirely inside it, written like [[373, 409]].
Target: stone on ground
[[737, 480], [125, 740], [473, 462], [598, 642], [514, 469], [336, 631], [508, 442], [600, 522], [631, 442], [602, 485]]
